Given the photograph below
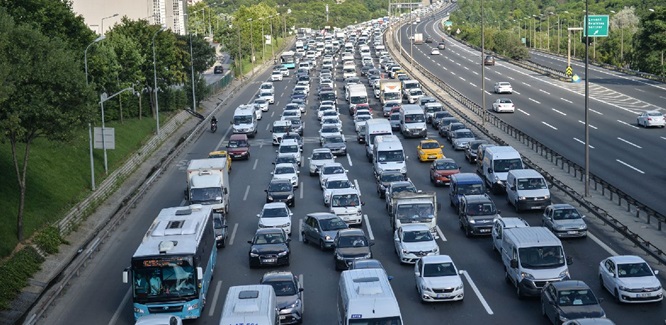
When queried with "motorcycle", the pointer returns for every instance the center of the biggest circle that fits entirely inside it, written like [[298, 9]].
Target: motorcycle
[[213, 127]]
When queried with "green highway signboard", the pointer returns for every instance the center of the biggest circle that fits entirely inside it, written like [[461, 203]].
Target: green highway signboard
[[596, 26]]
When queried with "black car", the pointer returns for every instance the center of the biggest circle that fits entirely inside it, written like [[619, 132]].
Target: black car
[[387, 177], [288, 291], [429, 39], [438, 116], [471, 150], [443, 125], [270, 246], [452, 128], [569, 299], [476, 214], [489, 60], [220, 228], [350, 245], [218, 69], [280, 190]]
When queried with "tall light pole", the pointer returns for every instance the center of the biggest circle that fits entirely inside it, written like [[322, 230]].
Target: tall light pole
[[102, 98], [272, 40], [251, 43], [483, 69], [194, 98], [534, 28], [587, 102], [107, 17], [263, 38], [157, 105], [548, 38], [90, 137]]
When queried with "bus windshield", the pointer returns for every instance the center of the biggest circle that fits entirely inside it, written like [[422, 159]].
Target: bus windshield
[[162, 279]]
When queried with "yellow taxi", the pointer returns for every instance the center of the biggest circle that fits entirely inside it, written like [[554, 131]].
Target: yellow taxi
[[429, 150], [221, 154]]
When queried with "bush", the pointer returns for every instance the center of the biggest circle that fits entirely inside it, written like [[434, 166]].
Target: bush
[[15, 272], [49, 240]]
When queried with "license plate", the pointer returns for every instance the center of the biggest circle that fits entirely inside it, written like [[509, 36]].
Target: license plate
[[269, 260], [535, 208], [643, 295], [283, 317], [441, 295], [485, 230], [432, 157], [572, 232]]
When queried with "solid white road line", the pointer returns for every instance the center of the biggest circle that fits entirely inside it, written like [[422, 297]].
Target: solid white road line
[[120, 308], [548, 125], [602, 244], [367, 225], [630, 166], [211, 308], [663, 138], [233, 234], [630, 143], [358, 188], [477, 292], [582, 142], [440, 234], [349, 160], [247, 191]]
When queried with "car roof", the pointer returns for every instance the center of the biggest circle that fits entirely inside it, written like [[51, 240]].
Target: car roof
[[443, 160], [414, 227], [436, 259], [278, 276], [323, 215], [268, 231], [285, 165], [622, 259], [337, 177], [477, 198], [275, 204], [350, 232], [570, 285], [559, 206], [280, 180]]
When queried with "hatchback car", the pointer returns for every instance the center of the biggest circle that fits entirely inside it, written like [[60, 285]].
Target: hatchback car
[[429, 150], [280, 190], [437, 279], [471, 150], [270, 246], [350, 245], [651, 118], [277, 76], [286, 171], [564, 220], [630, 279], [414, 241], [275, 215], [434, 51], [489, 60], [321, 228], [238, 147], [569, 299], [441, 45], [387, 177], [336, 143], [441, 171], [289, 293]]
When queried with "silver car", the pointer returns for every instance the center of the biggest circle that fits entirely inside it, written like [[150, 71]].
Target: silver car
[[460, 138], [320, 228], [289, 293], [564, 221]]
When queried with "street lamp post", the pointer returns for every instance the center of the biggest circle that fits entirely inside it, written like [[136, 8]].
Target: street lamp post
[[263, 38], [251, 43], [114, 15], [194, 98], [548, 37], [157, 105], [102, 98], [90, 137], [483, 69], [534, 29]]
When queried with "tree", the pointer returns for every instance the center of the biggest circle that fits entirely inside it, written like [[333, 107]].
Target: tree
[[204, 56], [650, 43], [47, 95]]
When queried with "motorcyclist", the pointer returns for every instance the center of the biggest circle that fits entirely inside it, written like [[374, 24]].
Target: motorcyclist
[[213, 123]]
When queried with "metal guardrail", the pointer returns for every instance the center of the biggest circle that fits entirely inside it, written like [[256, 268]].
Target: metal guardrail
[[550, 154]]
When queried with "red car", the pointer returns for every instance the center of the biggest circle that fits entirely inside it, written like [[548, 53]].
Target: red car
[[238, 147], [441, 171]]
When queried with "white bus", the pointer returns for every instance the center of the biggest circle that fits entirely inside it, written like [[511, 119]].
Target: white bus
[[171, 269], [365, 297], [288, 60]]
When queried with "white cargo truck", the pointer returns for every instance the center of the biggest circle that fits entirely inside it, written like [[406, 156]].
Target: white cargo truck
[[208, 183], [408, 207], [390, 91]]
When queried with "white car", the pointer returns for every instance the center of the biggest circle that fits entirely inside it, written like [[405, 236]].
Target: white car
[[651, 118], [413, 241], [335, 182], [414, 95], [286, 171], [268, 95], [437, 279], [503, 105], [503, 87], [330, 169], [327, 130], [630, 279], [290, 146], [305, 88], [359, 120], [434, 51], [267, 86], [323, 109], [285, 71], [276, 75], [333, 119], [262, 104], [320, 157], [275, 215]]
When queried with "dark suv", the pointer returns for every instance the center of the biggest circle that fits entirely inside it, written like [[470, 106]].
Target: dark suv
[[476, 214], [280, 190], [351, 245]]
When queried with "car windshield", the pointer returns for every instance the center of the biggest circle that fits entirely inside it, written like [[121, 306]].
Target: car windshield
[[361, 118], [566, 214], [463, 135], [330, 129], [583, 297], [390, 156], [429, 145], [283, 288], [289, 149], [439, 269], [333, 140], [333, 170], [237, 144], [345, 200], [338, 184], [480, 209], [391, 96], [205, 195], [474, 145], [655, 114], [284, 170], [532, 184], [322, 155], [260, 101], [416, 236], [169, 280], [286, 159], [505, 165], [414, 118], [418, 212], [279, 187], [470, 189], [505, 101], [395, 117], [445, 165], [541, 257], [263, 239], [332, 224], [390, 177], [275, 213], [352, 241], [632, 270], [280, 129]]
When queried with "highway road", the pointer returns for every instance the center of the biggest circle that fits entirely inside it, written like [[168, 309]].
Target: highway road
[[552, 112], [99, 297]]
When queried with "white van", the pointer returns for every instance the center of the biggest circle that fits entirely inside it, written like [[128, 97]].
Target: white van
[[346, 203], [250, 304], [413, 121], [374, 128], [244, 121], [365, 296], [279, 129], [497, 161], [388, 154], [526, 189], [502, 224], [532, 257]]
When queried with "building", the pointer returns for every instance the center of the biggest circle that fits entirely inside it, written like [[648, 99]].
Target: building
[[99, 14]]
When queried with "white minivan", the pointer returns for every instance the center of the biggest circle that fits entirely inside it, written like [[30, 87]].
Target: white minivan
[[526, 189], [250, 304]]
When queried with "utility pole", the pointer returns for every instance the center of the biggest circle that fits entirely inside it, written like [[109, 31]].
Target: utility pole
[[483, 70]]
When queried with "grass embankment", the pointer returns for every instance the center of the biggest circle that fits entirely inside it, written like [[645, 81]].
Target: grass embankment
[[58, 178]]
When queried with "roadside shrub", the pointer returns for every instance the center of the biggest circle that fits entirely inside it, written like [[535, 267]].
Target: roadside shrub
[[49, 240], [15, 272]]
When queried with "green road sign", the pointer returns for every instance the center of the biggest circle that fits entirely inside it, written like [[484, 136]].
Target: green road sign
[[596, 26]]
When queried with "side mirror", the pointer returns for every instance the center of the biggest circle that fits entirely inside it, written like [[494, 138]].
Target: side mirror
[[372, 244], [126, 275], [300, 289], [513, 263], [231, 122], [656, 272], [258, 215], [490, 170], [513, 188], [569, 260], [499, 211], [266, 191], [199, 273], [390, 277], [225, 191], [362, 203], [249, 242]]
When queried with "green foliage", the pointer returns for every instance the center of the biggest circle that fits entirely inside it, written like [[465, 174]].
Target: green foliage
[[650, 43], [49, 240], [15, 273]]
